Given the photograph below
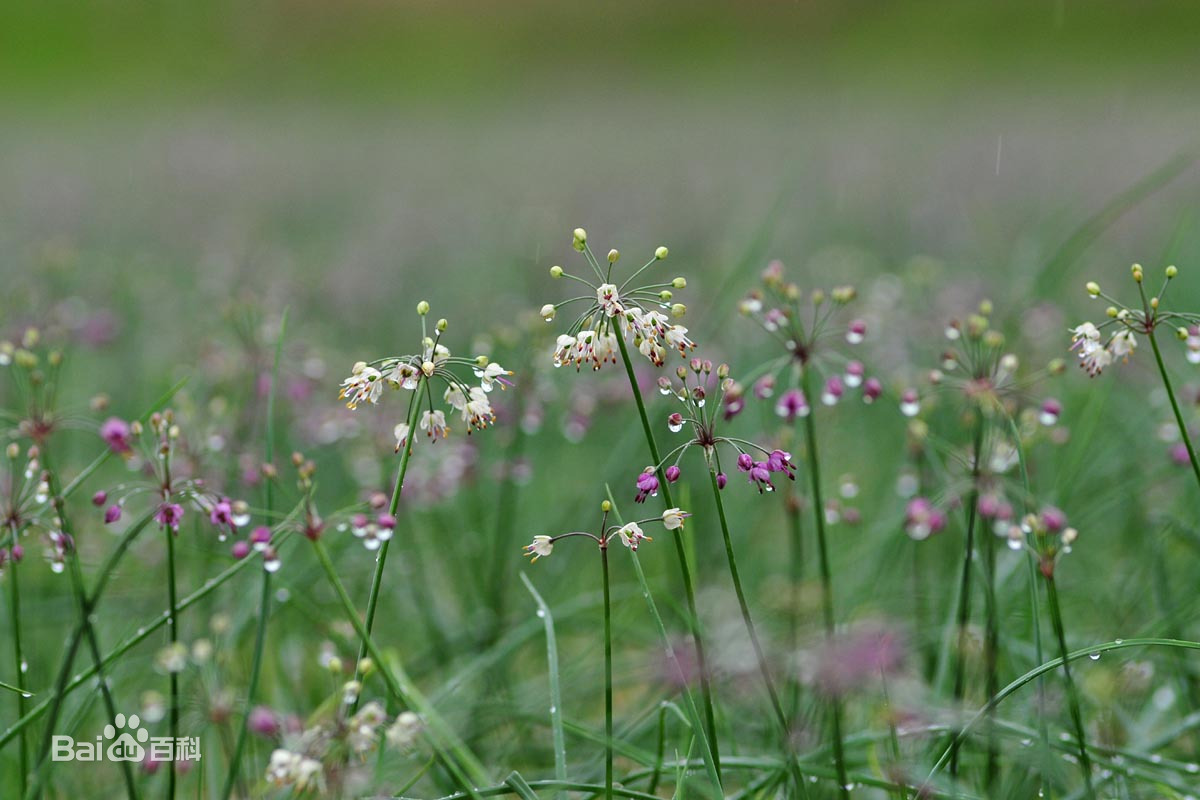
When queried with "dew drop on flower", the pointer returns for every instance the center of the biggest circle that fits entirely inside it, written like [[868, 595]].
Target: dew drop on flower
[[1014, 544]]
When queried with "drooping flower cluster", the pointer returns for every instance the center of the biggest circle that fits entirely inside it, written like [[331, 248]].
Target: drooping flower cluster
[[1115, 339], [1046, 534], [417, 374], [155, 448], [640, 315], [803, 327], [758, 463], [25, 507], [630, 534], [923, 519]]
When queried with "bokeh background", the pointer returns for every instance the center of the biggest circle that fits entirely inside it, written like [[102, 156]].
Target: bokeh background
[[173, 177]]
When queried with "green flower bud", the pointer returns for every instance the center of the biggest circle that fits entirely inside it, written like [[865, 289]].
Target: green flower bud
[[422, 308], [661, 253]]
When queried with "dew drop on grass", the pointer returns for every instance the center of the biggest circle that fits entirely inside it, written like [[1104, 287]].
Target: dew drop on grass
[[24, 666], [1119, 641], [541, 614], [1094, 656], [553, 709], [1193, 768], [26, 694]]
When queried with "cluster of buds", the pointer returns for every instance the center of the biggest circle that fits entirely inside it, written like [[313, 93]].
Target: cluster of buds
[[695, 381], [415, 373], [978, 366], [1046, 534], [1099, 346], [802, 326], [641, 314], [923, 519], [630, 534]]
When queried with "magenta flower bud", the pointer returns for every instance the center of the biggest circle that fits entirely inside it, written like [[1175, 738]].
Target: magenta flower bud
[[792, 404], [854, 374], [744, 462], [910, 403], [1053, 519], [360, 521], [112, 514], [856, 332], [115, 431], [263, 721], [647, 485], [734, 403], [672, 473], [260, 535], [834, 388], [989, 505], [1051, 409], [764, 387], [1179, 455], [721, 480], [386, 521], [872, 389], [99, 497], [240, 549], [675, 422], [18, 553]]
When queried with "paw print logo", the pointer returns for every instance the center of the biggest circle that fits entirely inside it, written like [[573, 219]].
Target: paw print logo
[[128, 739]]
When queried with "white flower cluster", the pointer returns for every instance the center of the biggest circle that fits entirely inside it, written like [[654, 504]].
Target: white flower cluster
[[410, 373], [635, 314]]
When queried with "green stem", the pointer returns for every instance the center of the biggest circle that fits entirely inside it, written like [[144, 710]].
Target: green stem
[[1183, 432], [747, 619], [14, 608], [964, 589], [796, 539], [991, 649], [681, 554], [814, 473], [264, 601], [458, 759], [1085, 764], [381, 559], [556, 720], [173, 638], [608, 682]]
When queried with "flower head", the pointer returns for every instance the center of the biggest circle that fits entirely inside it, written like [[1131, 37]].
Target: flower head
[[634, 313]]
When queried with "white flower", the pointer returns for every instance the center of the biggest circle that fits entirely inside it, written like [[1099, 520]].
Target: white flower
[[363, 385], [652, 350], [631, 534], [673, 518], [491, 374], [676, 337], [609, 300], [563, 347], [292, 769], [401, 433], [405, 375], [403, 733], [1094, 359], [540, 547], [477, 412], [434, 423], [455, 397], [437, 353], [1122, 344]]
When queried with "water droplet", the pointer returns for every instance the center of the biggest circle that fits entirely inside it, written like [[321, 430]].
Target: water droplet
[[1193, 768], [24, 666], [553, 709], [1094, 656], [541, 613], [1014, 544], [1119, 641], [26, 694], [1155, 758]]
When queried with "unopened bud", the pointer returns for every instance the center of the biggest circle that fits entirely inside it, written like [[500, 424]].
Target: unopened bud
[[1093, 288], [678, 310], [606, 506], [679, 283], [549, 312], [614, 256], [1172, 271], [422, 308], [661, 253], [556, 271], [442, 324]]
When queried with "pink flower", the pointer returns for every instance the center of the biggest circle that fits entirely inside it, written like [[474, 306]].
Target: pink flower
[[647, 485], [672, 473], [872, 389], [169, 515], [263, 721], [115, 431], [240, 549], [99, 497], [792, 404], [922, 519], [112, 514]]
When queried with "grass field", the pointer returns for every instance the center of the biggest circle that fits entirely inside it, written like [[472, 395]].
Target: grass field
[[209, 215]]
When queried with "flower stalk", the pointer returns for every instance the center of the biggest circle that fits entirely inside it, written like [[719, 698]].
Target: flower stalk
[[681, 554], [1085, 763], [818, 504]]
